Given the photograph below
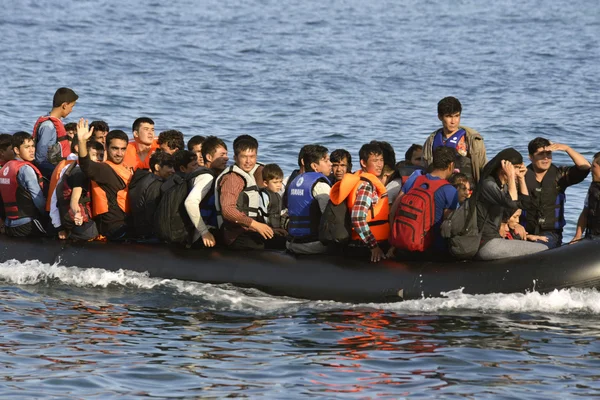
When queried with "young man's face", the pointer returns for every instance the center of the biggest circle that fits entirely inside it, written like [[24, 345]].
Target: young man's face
[[324, 166], [417, 158], [246, 159], [165, 171], [541, 159], [464, 192], [190, 167], [71, 134], [67, 108], [100, 136], [274, 185], [514, 219], [95, 155], [340, 168], [198, 150], [217, 161], [7, 154], [26, 151], [116, 150], [373, 165], [145, 133], [450, 122]]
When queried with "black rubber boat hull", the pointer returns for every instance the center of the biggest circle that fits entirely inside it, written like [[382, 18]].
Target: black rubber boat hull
[[325, 277]]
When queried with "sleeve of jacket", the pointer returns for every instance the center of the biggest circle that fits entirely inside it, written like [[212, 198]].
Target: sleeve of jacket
[[428, 150], [478, 155]]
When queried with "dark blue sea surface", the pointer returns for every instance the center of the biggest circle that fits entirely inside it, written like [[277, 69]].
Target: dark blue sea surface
[[340, 73]]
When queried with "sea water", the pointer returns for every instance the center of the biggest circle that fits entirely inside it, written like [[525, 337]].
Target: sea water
[[339, 73]]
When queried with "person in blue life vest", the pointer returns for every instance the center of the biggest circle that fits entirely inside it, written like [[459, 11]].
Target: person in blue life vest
[[588, 223], [445, 195], [470, 149], [546, 182], [49, 135], [308, 195], [21, 191]]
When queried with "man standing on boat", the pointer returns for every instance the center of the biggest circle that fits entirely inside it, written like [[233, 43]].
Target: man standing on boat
[[110, 180], [237, 199], [545, 214], [470, 150]]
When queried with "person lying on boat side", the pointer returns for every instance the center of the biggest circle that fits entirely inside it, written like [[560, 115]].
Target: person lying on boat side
[[470, 149], [547, 183], [237, 199], [110, 180], [143, 144], [495, 192], [21, 191], [308, 195], [588, 223]]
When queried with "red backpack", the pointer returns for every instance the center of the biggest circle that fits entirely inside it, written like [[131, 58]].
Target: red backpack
[[411, 229]]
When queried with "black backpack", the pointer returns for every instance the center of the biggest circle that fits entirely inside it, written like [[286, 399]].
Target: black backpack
[[335, 226], [460, 228], [171, 221]]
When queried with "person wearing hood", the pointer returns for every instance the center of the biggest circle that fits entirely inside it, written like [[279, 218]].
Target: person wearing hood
[[496, 192]]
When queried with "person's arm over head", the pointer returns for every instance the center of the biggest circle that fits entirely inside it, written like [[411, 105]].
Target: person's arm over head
[[491, 193], [29, 180]]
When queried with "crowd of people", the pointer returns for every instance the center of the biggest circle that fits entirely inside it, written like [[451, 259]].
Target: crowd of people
[[83, 181]]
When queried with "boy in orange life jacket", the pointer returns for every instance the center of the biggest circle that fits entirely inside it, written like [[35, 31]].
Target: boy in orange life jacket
[[110, 181], [143, 144], [368, 205], [171, 141], [6, 150], [49, 133], [24, 204]]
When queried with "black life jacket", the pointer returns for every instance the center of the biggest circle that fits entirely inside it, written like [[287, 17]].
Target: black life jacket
[[547, 209], [144, 196], [284, 200], [272, 215], [171, 221], [593, 217], [63, 200]]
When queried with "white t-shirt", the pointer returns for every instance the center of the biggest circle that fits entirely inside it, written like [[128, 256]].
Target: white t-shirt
[[200, 189]]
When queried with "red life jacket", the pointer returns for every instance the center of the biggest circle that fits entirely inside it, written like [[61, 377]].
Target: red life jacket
[[61, 134], [63, 196], [17, 200], [414, 218]]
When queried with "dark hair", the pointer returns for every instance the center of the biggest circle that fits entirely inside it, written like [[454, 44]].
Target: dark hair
[[443, 156], [71, 126], [313, 154], [181, 158], [457, 179], [5, 141], [245, 137], [495, 164], [243, 143], [99, 126], [448, 106], [593, 159], [74, 144], [18, 138], [339, 154], [301, 154], [271, 171], [64, 95], [139, 121], [409, 153], [94, 145], [194, 141], [210, 145], [389, 155], [537, 143], [172, 138], [116, 134], [162, 158], [367, 149]]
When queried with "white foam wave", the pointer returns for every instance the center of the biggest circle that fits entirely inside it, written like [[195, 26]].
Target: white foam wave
[[581, 301]]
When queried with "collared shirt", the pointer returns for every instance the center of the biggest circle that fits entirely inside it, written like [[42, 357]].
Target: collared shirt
[[366, 197]]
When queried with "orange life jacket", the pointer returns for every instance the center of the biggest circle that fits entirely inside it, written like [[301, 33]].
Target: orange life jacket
[[54, 180], [100, 201], [132, 158], [377, 218]]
